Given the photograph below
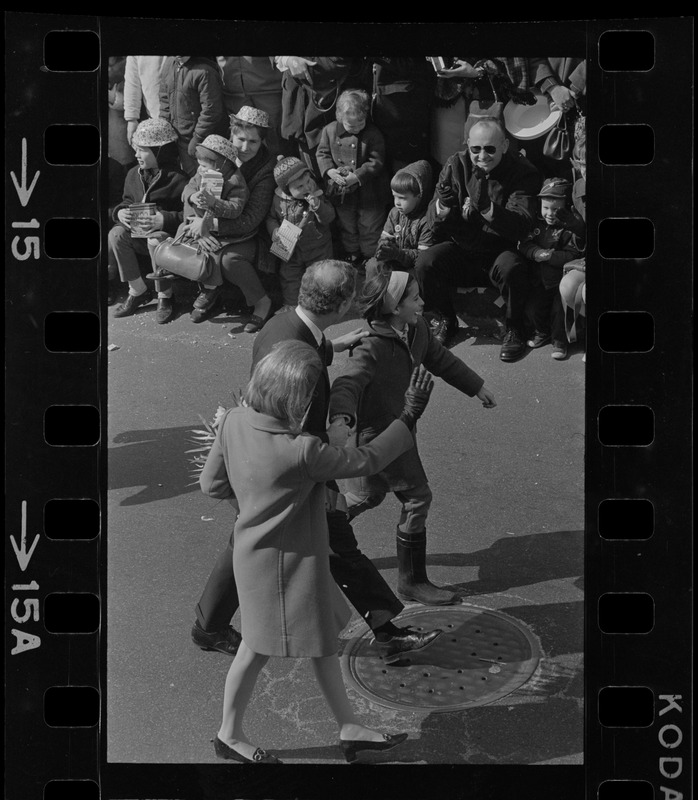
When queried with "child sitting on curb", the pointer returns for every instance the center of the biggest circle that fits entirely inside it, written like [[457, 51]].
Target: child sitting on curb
[[407, 229]]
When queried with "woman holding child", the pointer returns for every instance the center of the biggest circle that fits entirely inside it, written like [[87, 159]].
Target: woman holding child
[[247, 244]]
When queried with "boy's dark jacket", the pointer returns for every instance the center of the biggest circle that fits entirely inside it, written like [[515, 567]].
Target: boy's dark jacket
[[412, 232], [374, 395], [165, 191], [513, 186]]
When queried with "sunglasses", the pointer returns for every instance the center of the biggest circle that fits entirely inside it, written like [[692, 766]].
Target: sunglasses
[[491, 149]]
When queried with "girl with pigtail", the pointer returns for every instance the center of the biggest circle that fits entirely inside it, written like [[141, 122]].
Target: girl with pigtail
[[369, 392]]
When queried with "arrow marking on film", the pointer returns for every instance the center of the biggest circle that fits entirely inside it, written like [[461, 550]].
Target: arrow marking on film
[[22, 192], [23, 557]]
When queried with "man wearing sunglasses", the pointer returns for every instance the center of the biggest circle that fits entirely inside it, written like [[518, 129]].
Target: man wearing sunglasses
[[484, 204]]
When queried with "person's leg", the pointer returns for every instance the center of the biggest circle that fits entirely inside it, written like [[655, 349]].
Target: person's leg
[[557, 316], [539, 302], [370, 223], [356, 575], [237, 268], [239, 685], [509, 273], [188, 163], [166, 308], [439, 270], [411, 542], [125, 249], [290, 275], [348, 224], [218, 603], [571, 287], [329, 677]]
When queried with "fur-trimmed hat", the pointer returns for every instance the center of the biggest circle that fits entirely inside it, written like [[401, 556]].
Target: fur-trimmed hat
[[289, 169], [555, 187], [252, 116], [154, 133], [214, 145]]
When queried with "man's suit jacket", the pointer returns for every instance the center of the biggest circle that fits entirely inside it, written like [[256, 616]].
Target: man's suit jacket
[[289, 325]]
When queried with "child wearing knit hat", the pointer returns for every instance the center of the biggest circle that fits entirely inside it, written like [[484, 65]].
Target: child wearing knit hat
[[300, 201], [558, 237]]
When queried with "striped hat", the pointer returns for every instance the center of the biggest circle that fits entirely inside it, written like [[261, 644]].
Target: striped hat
[[288, 169]]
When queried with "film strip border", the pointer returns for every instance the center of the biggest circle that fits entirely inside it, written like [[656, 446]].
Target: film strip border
[[638, 577]]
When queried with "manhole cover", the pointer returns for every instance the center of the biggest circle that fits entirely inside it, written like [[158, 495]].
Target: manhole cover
[[481, 655]]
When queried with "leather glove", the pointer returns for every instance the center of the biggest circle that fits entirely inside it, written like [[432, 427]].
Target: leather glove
[[477, 189], [417, 396], [447, 195]]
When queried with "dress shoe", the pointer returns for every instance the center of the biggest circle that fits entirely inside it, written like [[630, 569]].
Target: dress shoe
[[444, 328], [513, 346], [165, 310], [406, 642], [350, 747], [258, 757], [205, 303], [132, 302], [225, 641]]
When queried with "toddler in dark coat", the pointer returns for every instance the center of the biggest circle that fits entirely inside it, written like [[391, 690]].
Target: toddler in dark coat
[[559, 237]]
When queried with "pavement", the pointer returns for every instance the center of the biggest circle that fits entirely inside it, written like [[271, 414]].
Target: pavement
[[505, 530]]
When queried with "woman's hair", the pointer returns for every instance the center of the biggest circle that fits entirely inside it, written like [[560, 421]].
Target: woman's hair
[[325, 285], [283, 381], [238, 126], [356, 100], [375, 287], [404, 182]]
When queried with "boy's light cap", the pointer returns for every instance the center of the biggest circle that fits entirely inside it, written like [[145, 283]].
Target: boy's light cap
[[154, 133]]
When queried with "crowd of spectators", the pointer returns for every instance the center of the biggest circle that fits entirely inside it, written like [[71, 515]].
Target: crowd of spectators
[[326, 147]]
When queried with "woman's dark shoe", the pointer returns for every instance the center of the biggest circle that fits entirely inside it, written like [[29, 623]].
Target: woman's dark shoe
[[132, 302], [165, 310], [352, 746], [259, 756], [256, 323]]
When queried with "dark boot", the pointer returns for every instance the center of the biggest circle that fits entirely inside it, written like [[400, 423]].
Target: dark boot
[[413, 583]]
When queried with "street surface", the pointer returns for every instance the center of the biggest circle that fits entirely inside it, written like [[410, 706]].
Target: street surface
[[505, 529]]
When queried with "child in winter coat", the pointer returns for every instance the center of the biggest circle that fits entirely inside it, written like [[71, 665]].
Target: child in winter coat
[[351, 159], [299, 200], [559, 237], [191, 99], [202, 210], [369, 393], [407, 229], [156, 179]]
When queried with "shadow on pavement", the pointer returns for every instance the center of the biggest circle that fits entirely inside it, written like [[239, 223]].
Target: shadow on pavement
[[155, 460], [559, 626], [513, 561]]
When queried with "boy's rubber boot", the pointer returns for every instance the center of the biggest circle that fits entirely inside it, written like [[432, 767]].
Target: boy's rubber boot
[[413, 583]]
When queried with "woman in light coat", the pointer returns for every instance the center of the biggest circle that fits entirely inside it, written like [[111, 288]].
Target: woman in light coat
[[289, 604]]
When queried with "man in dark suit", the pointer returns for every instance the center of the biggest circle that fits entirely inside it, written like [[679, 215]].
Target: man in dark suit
[[326, 294]]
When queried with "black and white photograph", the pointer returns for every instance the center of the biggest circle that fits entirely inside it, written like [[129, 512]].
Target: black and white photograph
[[383, 597], [370, 484]]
